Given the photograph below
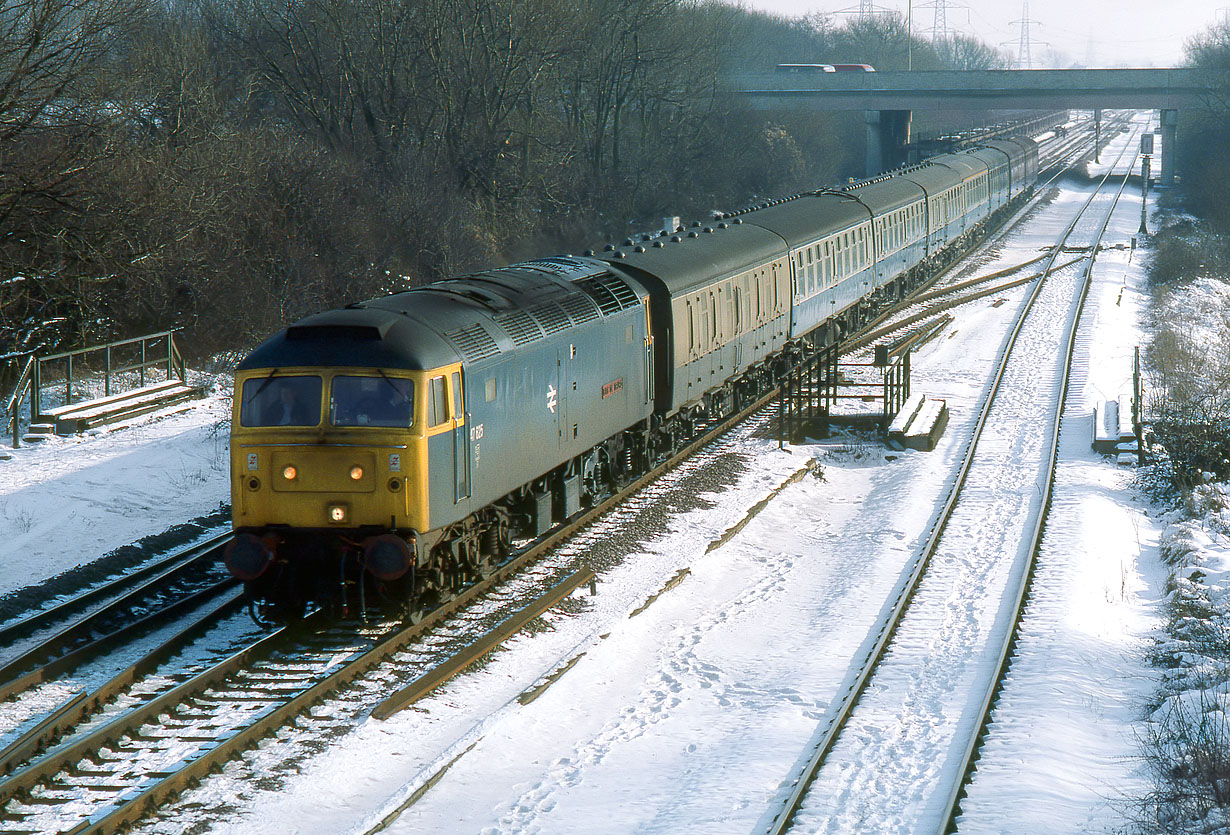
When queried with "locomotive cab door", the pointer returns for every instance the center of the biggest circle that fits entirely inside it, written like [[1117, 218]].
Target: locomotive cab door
[[461, 439], [563, 376]]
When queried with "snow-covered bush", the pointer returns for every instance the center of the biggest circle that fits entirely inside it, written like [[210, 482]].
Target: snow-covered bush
[[1187, 744]]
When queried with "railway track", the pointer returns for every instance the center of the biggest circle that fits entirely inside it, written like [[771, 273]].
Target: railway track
[[46, 643], [108, 769], [921, 660], [111, 770]]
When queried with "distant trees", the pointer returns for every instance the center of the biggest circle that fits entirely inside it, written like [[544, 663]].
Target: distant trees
[[1189, 352], [55, 58], [1205, 133], [228, 165]]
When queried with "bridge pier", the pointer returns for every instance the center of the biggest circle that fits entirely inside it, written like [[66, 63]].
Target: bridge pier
[[888, 133], [1170, 130]]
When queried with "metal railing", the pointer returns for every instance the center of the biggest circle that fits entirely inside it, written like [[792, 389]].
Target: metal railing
[[13, 407], [122, 365]]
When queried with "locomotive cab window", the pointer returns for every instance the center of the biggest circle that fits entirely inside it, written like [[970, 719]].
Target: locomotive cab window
[[280, 401], [371, 401], [437, 402]]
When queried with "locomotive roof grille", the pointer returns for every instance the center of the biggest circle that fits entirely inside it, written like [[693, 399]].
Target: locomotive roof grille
[[473, 342], [552, 317], [611, 293], [580, 309], [520, 326], [563, 266]]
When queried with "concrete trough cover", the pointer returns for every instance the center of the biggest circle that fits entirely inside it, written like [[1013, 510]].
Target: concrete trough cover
[[920, 423], [1106, 427]]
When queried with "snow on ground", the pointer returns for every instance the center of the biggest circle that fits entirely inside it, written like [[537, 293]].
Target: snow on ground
[[68, 500], [690, 715]]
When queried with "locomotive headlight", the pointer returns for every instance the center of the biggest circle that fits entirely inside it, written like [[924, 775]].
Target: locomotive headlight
[[356, 473], [289, 473], [337, 513]]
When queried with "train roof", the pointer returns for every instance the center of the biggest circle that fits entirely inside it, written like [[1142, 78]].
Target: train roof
[[991, 156], [965, 164], [1014, 148], [806, 218], [697, 256], [933, 178], [886, 194], [465, 319]]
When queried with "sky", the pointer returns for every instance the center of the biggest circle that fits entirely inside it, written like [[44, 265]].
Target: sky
[[1136, 33]]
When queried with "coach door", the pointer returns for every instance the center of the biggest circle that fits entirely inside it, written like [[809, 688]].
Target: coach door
[[461, 439]]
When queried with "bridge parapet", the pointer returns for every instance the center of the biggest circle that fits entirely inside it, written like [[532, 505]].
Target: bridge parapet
[[1144, 89]]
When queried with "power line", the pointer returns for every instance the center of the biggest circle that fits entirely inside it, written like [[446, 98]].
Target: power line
[[866, 11], [1024, 55], [940, 32]]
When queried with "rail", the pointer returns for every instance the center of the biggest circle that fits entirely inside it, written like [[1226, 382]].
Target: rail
[[824, 743], [952, 804]]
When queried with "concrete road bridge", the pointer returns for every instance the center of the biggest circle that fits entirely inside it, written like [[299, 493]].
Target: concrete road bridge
[[888, 98]]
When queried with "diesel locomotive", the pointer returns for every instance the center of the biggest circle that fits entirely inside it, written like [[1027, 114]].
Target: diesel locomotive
[[391, 451]]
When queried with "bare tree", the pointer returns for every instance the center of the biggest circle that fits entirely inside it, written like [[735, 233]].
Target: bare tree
[[54, 107]]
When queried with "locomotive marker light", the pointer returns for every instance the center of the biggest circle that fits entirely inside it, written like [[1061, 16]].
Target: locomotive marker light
[[356, 473], [290, 472], [337, 513]]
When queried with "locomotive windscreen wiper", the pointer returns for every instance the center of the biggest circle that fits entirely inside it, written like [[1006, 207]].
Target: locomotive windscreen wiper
[[385, 377], [265, 384]]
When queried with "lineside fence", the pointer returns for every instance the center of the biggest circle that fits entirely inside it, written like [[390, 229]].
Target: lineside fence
[[55, 380], [812, 389]]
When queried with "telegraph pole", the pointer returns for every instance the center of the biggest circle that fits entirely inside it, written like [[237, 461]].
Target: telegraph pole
[[1146, 151]]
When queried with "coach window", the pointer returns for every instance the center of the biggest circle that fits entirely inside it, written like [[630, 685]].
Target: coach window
[[437, 402], [691, 330]]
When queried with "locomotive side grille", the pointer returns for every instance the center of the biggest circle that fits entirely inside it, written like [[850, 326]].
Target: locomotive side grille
[[520, 326], [612, 294], [552, 318], [474, 343], [580, 309]]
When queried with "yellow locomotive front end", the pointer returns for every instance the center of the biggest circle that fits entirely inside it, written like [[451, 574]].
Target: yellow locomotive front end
[[328, 484]]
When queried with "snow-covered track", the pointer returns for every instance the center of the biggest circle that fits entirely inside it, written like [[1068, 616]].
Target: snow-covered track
[[938, 295], [113, 772], [911, 715], [46, 642]]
